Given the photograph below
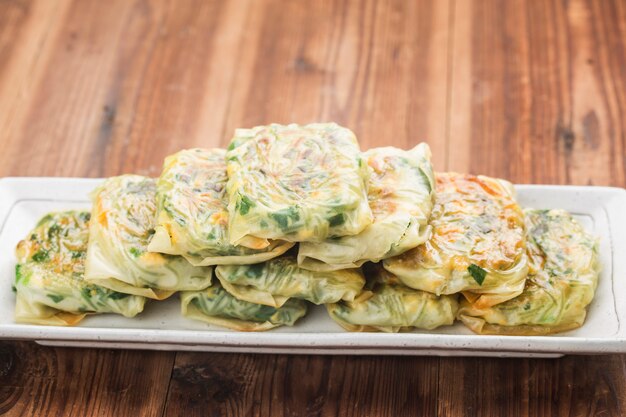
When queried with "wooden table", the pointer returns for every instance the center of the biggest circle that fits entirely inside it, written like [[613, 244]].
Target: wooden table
[[533, 91]]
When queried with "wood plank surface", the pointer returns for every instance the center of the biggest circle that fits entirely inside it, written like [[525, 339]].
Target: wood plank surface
[[538, 91], [41, 381], [533, 91]]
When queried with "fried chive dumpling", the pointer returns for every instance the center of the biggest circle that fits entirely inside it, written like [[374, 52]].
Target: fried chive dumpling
[[478, 242], [215, 305], [400, 193], [295, 183], [389, 306], [192, 216], [123, 221], [49, 275], [564, 269], [273, 282]]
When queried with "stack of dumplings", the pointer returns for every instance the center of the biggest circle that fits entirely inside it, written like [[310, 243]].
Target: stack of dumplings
[[288, 216]]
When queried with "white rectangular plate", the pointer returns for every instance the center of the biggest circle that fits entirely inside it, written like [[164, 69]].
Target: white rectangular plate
[[24, 200]]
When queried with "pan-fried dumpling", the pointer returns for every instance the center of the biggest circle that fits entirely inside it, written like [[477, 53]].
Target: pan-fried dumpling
[[564, 269], [400, 192], [478, 242], [215, 305], [387, 305], [273, 282], [295, 183], [123, 221], [49, 275], [192, 216]]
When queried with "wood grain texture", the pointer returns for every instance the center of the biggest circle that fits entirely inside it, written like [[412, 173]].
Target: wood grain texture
[[41, 381], [538, 91], [569, 386], [534, 91], [284, 385]]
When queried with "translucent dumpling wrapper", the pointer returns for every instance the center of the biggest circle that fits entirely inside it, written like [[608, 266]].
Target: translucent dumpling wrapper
[[215, 305], [564, 269], [273, 282], [388, 305], [123, 221], [295, 183], [400, 193], [49, 276], [477, 245], [192, 215]]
